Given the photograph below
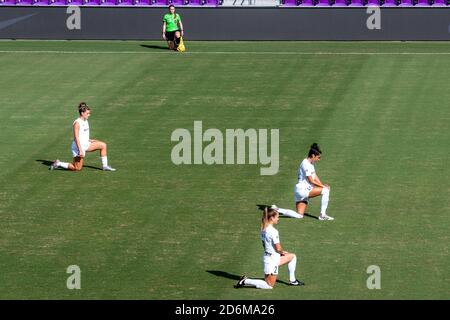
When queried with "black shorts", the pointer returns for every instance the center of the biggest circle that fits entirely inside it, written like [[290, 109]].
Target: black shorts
[[170, 36]]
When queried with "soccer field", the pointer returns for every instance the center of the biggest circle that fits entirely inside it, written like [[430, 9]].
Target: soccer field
[[154, 230]]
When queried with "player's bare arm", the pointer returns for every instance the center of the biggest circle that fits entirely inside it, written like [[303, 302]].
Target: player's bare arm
[[76, 128]]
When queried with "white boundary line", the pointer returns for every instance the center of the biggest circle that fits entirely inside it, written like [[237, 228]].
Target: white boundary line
[[225, 52]]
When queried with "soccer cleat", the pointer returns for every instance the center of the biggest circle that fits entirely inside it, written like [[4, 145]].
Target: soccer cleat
[[240, 283], [54, 165], [274, 207], [108, 168], [325, 217], [296, 283]]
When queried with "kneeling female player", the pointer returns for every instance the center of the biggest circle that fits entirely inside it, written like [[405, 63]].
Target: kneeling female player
[[274, 256], [172, 29], [309, 186], [82, 144]]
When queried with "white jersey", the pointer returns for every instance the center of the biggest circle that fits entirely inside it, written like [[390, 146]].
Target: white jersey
[[270, 238], [305, 170], [83, 133]]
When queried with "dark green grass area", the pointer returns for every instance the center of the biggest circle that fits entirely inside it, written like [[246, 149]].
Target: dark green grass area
[[154, 230]]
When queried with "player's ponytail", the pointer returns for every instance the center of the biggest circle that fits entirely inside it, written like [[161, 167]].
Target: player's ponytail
[[314, 150], [267, 215]]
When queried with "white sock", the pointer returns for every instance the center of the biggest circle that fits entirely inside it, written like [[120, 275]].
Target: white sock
[[64, 165], [259, 284], [324, 203], [104, 161], [290, 213], [291, 268]]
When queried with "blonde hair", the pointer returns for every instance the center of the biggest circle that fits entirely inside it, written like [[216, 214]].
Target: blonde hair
[[267, 215]]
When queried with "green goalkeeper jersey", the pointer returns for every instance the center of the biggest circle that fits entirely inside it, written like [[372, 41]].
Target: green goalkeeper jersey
[[171, 22]]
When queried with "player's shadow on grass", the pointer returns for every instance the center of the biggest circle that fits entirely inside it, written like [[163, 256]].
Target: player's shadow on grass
[[224, 274], [150, 46], [235, 277], [263, 206], [47, 163]]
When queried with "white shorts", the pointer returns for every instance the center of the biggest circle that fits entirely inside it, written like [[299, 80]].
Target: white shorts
[[301, 192], [75, 151], [271, 264]]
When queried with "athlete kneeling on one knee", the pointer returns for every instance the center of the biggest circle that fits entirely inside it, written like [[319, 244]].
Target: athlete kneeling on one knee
[[274, 256]]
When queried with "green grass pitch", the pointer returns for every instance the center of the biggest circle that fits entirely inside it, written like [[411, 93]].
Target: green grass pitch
[[154, 230]]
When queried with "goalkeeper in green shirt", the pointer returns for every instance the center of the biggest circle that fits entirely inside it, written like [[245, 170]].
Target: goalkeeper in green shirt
[[172, 30]]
